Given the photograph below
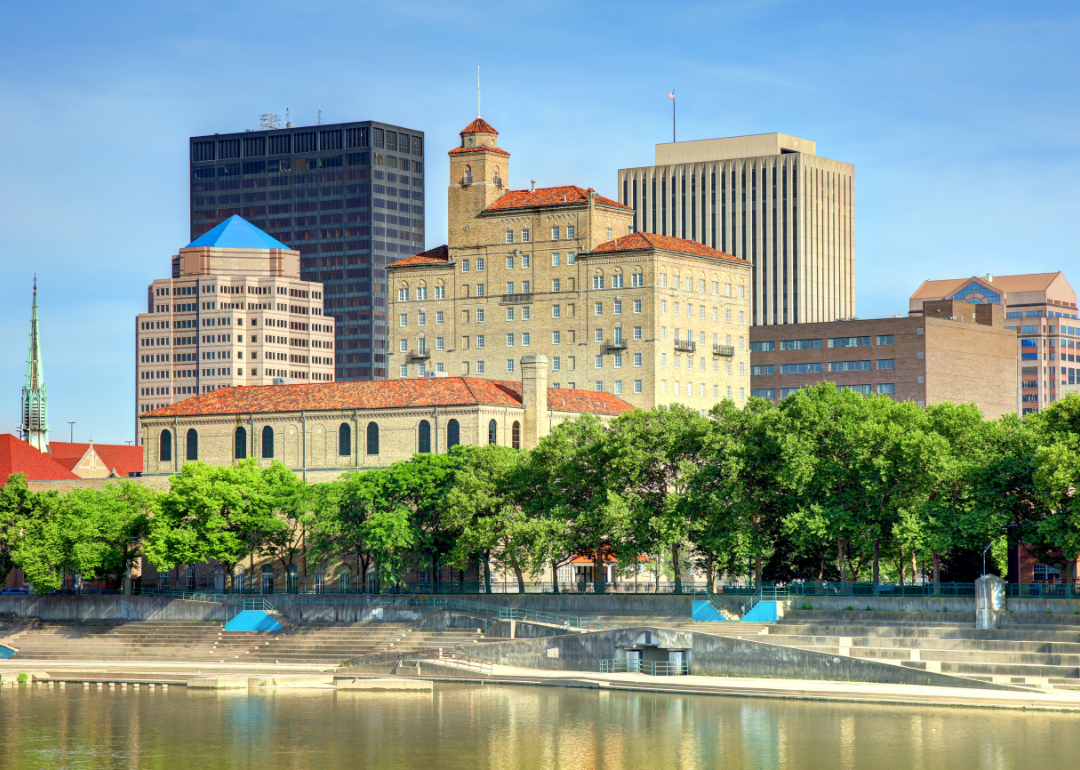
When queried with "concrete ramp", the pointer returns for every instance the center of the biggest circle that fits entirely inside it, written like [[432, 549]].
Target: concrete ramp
[[253, 620]]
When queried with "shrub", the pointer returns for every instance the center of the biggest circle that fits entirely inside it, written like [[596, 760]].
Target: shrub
[[849, 608]]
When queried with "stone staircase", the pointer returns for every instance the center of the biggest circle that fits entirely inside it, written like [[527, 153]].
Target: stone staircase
[[1028, 651], [312, 644]]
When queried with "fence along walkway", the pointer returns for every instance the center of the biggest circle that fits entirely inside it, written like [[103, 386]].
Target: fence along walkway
[[436, 655]]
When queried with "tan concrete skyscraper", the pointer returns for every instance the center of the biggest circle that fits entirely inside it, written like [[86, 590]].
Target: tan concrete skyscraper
[[768, 198], [235, 312]]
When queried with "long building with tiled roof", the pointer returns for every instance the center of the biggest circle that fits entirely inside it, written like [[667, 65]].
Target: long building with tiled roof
[[321, 430], [558, 270]]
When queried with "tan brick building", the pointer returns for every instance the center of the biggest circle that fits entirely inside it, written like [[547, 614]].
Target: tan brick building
[[958, 352], [558, 271], [1041, 309], [323, 430], [235, 312]]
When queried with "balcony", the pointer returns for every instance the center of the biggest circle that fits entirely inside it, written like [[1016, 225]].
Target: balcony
[[686, 346], [516, 299], [615, 347], [723, 350], [422, 355]]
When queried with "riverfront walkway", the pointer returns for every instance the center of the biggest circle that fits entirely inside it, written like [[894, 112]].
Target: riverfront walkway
[[177, 673]]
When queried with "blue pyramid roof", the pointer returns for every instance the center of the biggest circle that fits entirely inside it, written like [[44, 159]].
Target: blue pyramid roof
[[236, 233]]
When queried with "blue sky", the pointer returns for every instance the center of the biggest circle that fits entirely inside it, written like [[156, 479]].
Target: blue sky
[[960, 118]]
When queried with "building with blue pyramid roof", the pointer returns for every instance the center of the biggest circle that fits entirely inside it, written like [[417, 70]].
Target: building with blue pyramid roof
[[234, 313]]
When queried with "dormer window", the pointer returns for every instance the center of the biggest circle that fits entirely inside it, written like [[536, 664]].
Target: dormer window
[[468, 142]]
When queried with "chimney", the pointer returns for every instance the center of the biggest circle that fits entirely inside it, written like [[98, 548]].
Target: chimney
[[533, 188], [534, 399]]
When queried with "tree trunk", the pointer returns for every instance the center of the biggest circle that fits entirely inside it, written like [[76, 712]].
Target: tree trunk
[[841, 561], [900, 564], [821, 566], [757, 568], [598, 571], [487, 572], [877, 555], [710, 565], [555, 576], [914, 567], [675, 565], [520, 578], [937, 568]]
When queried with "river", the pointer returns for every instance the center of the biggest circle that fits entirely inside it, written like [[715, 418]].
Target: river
[[475, 727]]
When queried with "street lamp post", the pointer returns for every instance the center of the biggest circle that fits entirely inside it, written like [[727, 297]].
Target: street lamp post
[[72, 424]]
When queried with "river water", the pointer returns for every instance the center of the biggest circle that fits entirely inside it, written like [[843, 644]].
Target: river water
[[481, 727]]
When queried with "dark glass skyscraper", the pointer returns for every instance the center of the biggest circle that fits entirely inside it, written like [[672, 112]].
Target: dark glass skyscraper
[[349, 197]]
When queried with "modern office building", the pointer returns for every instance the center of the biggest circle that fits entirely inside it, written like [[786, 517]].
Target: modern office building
[[235, 312], [349, 197], [559, 272], [767, 198], [1041, 309], [958, 352]]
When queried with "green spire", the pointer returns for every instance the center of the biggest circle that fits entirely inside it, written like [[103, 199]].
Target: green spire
[[35, 403]]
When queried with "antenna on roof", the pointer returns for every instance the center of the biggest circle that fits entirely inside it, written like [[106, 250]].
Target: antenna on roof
[[288, 123], [320, 112], [478, 92], [268, 121]]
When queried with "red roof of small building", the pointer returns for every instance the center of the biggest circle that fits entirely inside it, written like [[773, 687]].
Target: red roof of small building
[[550, 196], [479, 126], [121, 458], [435, 256], [387, 394], [640, 241], [16, 456], [479, 148]]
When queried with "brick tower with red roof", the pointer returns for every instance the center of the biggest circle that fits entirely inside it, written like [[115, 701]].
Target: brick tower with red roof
[[479, 171]]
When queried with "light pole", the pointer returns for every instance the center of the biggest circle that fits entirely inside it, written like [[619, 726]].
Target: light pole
[[72, 424]]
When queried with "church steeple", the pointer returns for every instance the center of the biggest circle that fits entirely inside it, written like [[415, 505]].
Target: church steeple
[[35, 403]]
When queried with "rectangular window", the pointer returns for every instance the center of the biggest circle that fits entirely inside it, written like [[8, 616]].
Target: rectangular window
[[525, 236], [439, 343], [800, 368], [509, 340], [571, 258], [479, 367], [509, 287], [663, 359], [479, 264], [479, 341], [554, 311], [762, 347], [886, 387], [403, 345], [526, 313], [637, 305], [554, 233], [760, 370], [618, 387], [555, 284], [850, 366], [479, 316], [525, 287], [598, 386], [885, 339], [555, 260], [438, 318], [663, 306], [404, 318], [598, 281], [404, 371], [637, 280], [763, 393], [525, 339], [598, 308], [616, 307], [1029, 329], [617, 281], [509, 236], [509, 314], [637, 359], [556, 364], [464, 265], [509, 366], [510, 262], [598, 362], [479, 290], [849, 342], [569, 232], [886, 363], [637, 386], [800, 345], [402, 295], [618, 360]]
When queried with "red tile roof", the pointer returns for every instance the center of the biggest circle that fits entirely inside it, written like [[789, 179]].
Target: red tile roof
[[121, 458], [479, 148], [479, 126], [16, 456], [387, 394], [550, 196], [641, 241], [435, 256]]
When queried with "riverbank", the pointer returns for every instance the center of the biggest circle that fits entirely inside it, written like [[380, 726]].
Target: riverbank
[[102, 674]]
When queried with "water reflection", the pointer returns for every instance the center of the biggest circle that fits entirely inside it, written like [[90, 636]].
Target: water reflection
[[496, 728]]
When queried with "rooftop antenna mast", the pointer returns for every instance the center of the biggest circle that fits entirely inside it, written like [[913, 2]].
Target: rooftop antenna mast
[[269, 121], [320, 113], [478, 92]]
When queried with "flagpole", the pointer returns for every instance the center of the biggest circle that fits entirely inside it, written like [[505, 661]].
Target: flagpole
[[673, 115]]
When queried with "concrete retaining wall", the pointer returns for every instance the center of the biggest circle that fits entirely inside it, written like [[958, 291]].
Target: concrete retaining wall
[[710, 656], [73, 609], [883, 603]]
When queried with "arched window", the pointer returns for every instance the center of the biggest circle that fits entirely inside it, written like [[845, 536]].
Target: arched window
[[344, 440], [344, 577], [373, 438], [424, 442], [240, 450], [191, 577], [268, 579], [192, 444], [165, 447], [453, 434], [515, 435], [294, 579], [468, 175], [268, 443], [239, 580], [492, 432]]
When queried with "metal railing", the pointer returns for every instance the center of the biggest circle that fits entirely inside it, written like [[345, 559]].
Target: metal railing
[[649, 668], [615, 345], [723, 350], [688, 346], [568, 623]]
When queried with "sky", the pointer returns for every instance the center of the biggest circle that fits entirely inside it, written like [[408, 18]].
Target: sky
[[961, 120]]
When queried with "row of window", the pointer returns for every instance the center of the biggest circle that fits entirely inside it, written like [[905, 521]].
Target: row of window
[[702, 390], [817, 368], [884, 388], [568, 234], [833, 342]]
